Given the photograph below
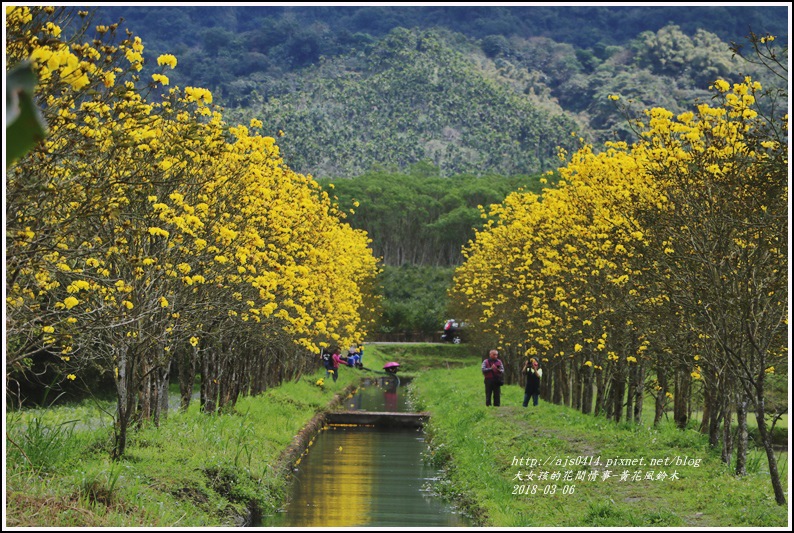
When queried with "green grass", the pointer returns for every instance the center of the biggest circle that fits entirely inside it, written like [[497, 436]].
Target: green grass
[[220, 470], [194, 470], [472, 439], [419, 357]]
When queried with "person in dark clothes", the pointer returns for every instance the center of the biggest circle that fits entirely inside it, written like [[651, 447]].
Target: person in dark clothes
[[532, 388]]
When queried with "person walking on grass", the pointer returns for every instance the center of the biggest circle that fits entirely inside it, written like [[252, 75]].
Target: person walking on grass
[[493, 372], [331, 361], [533, 372]]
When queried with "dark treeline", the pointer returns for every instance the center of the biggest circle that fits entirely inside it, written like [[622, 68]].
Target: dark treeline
[[299, 35], [418, 222], [419, 217]]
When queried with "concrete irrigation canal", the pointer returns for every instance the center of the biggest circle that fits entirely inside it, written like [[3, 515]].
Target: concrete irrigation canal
[[367, 469]]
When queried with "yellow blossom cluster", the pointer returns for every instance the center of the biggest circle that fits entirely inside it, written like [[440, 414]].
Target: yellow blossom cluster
[[141, 228], [610, 270]]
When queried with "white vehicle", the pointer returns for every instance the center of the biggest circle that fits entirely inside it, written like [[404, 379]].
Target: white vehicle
[[452, 331]]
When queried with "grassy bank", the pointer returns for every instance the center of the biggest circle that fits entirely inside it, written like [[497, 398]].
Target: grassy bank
[[224, 470], [194, 470], [482, 449]]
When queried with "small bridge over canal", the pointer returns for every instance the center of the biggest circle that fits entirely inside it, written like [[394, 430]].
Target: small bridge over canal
[[377, 419]]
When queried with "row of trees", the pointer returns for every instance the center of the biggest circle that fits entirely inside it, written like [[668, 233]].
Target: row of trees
[[656, 265], [420, 217], [144, 235]]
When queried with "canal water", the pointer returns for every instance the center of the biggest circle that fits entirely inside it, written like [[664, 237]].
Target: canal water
[[365, 476]]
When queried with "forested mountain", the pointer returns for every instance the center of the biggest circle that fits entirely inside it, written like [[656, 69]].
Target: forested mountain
[[410, 97], [470, 89], [419, 217], [418, 114], [299, 34]]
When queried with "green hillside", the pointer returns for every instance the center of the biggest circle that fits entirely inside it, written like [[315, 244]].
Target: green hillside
[[409, 98], [499, 106], [469, 89]]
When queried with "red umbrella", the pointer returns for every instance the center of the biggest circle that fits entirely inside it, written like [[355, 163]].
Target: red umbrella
[[391, 367]]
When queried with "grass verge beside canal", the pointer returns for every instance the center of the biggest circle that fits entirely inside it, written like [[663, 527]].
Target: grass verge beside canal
[[194, 470], [199, 470], [481, 449]]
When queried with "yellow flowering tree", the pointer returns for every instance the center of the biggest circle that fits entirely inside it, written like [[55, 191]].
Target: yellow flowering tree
[[723, 170], [144, 231], [669, 253]]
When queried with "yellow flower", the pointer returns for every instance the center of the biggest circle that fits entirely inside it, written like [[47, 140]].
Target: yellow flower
[[194, 341], [71, 376], [167, 59], [163, 301], [722, 85], [162, 80], [70, 302], [199, 95], [76, 286], [48, 329], [158, 231]]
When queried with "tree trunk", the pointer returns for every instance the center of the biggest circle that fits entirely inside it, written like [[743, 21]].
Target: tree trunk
[[708, 406], [661, 394], [161, 406], [587, 390], [714, 425], [565, 386], [741, 437], [557, 397], [617, 391], [576, 385], [639, 392], [187, 375], [630, 396], [547, 391], [125, 399], [144, 411], [600, 384], [683, 381], [766, 440], [209, 382], [727, 435]]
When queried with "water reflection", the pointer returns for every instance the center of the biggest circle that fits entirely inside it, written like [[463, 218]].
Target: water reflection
[[382, 394], [365, 477], [360, 476]]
